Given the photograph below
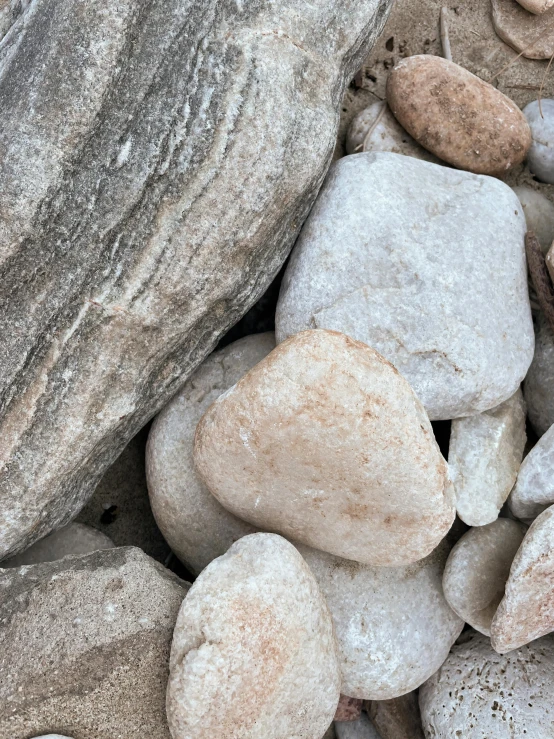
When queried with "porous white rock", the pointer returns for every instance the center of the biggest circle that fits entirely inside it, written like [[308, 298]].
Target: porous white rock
[[73, 539], [534, 488], [477, 569], [194, 523], [479, 694], [360, 729], [484, 457], [325, 442], [538, 388], [425, 264], [540, 158], [539, 214], [385, 134], [527, 610], [394, 627], [254, 654]]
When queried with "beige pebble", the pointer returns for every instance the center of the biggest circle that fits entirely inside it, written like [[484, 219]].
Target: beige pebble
[[536, 6], [477, 569], [457, 116], [360, 474], [528, 34], [527, 610], [398, 718], [254, 653]]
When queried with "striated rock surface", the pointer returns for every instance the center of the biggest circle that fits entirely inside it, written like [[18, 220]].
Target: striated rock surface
[[394, 627], [526, 612], [534, 489], [388, 256], [253, 653], [484, 457], [194, 523], [529, 34], [478, 693], [85, 643], [538, 388], [360, 475], [158, 159], [398, 718], [477, 570]]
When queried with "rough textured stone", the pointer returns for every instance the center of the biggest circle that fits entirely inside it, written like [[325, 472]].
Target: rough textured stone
[[73, 539], [477, 569], [541, 120], [360, 474], [386, 134], [457, 116], [526, 33], [371, 262], [479, 694], [348, 709], [539, 214], [536, 6], [253, 653], [398, 718], [534, 488], [360, 729], [393, 625], [158, 159], [526, 612], [85, 642], [538, 389], [194, 523], [484, 457]]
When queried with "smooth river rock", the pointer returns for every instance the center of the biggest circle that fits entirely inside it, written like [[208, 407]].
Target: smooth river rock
[[85, 642], [534, 488], [158, 160], [541, 121], [528, 34], [539, 214], [388, 256], [360, 729], [479, 694], [254, 654], [538, 388], [527, 612], [536, 6], [194, 523], [477, 570], [457, 116], [484, 457], [398, 718], [360, 475], [394, 627], [73, 539]]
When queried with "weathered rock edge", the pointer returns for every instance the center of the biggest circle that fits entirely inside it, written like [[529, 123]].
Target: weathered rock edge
[[158, 160]]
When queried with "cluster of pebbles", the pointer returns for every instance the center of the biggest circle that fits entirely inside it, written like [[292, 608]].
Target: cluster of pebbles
[[337, 553]]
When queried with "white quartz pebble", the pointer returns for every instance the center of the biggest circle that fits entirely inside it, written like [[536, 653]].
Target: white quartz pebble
[[534, 489], [540, 158]]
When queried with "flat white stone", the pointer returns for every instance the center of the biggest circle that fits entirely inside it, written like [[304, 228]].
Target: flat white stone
[[194, 523], [254, 654], [534, 488], [538, 388], [477, 569], [393, 625], [540, 158], [527, 610], [479, 694], [484, 457], [360, 729], [425, 264], [539, 214]]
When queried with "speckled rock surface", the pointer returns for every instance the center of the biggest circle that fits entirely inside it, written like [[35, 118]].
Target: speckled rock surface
[[539, 214], [194, 523], [534, 489], [75, 538], [360, 476], [526, 612], [541, 120], [394, 627], [371, 262], [386, 134], [254, 653], [479, 694], [398, 718], [484, 458], [477, 569], [360, 729], [530, 34], [538, 388], [89, 641]]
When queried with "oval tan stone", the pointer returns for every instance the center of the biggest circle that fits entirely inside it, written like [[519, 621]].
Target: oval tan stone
[[457, 116], [477, 569], [527, 610], [325, 442]]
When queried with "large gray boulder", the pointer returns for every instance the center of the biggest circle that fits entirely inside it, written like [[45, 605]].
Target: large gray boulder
[[158, 160], [84, 646]]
